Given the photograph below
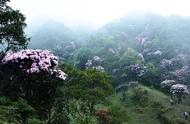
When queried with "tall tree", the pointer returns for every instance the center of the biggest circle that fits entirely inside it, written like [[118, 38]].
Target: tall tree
[[12, 24]]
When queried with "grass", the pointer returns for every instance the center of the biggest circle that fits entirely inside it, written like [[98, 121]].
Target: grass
[[155, 110]]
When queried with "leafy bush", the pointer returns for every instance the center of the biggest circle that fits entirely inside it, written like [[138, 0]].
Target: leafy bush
[[4, 100], [17, 112], [34, 121], [140, 96], [118, 115], [71, 112], [112, 115], [103, 116]]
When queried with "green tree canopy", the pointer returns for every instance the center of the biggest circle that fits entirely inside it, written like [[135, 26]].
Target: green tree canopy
[[12, 24]]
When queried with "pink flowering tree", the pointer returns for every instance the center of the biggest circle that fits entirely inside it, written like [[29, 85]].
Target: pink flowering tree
[[33, 74], [167, 64], [135, 71], [182, 74], [166, 84], [178, 91]]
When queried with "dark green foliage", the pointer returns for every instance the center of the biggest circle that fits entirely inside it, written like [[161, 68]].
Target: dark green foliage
[[88, 85], [83, 56], [83, 90], [59, 113], [39, 90], [25, 111], [4, 100], [34, 121], [140, 96], [152, 75], [17, 112], [167, 117], [12, 24], [118, 115]]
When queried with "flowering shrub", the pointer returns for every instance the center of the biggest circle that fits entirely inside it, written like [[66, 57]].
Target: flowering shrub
[[88, 64], [158, 52], [167, 64], [180, 60], [167, 83], [179, 88], [141, 57], [97, 58], [34, 61], [136, 69], [141, 39], [94, 64], [110, 50], [99, 68], [33, 76], [183, 73]]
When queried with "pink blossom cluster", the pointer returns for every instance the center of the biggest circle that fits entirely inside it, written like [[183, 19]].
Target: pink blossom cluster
[[60, 74], [97, 58], [88, 64], [99, 68], [93, 62], [181, 59], [167, 83], [34, 61], [142, 39], [111, 50], [140, 55], [182, 73], [166, 63], [158, 52], [135, 68], [179, 88]]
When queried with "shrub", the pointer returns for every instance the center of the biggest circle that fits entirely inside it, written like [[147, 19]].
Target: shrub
[[34, 121], [103, 116], [118, 115], [140, 95]]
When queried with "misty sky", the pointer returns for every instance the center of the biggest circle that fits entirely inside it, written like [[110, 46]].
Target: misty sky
[[94, 12]]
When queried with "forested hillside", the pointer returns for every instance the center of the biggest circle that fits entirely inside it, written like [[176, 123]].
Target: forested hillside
[[133, 70]]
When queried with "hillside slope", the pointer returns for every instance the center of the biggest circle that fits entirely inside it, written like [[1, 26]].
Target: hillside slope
[[149, 106]]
